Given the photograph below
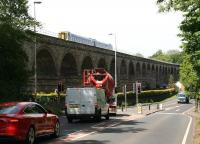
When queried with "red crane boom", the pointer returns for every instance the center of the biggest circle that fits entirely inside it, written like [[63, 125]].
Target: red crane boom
[[99, 78]]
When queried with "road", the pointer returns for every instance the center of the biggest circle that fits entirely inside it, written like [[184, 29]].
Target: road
[[171, 126]]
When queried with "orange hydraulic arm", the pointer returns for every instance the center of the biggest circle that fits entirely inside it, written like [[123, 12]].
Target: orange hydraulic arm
[[99, 78]]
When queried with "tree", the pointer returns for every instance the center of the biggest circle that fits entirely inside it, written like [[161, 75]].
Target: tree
[[171, 83], [173, 56], [14, 29], [190, 34], [159, 55]]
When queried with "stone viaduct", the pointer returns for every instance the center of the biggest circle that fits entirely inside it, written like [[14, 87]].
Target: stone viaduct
[[60, 60]]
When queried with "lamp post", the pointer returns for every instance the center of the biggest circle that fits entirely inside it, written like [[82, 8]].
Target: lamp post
[[115, 95], [35, 48], [115, 59]]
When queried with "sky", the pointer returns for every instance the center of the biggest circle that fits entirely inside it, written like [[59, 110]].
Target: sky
[[138, 26]]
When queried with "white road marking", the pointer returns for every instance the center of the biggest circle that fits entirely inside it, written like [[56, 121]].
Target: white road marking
[[111, 125], [170, 108], [187, 130], [83, 133], [188, 110], [169, 113], [189, 124], [177, 110]]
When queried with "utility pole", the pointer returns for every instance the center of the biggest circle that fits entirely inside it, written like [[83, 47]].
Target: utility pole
[[35, 50]]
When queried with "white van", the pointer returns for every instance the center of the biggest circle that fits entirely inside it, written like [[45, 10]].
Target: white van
[[85, 103]]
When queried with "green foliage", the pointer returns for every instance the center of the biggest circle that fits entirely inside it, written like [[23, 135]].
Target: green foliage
[[159, 55], [148, 96], [13, 60], [15, 14], [14, 24], [53, 94], [189, 77], [190, 34], [52, 101], [173, 56], [171, 82]]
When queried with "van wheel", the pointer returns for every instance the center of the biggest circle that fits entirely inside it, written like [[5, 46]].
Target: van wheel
[[69, 119], [98, 115], [107, 116]]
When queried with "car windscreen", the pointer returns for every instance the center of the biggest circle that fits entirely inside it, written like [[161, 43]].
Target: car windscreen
[[181, 95], [8, 109]]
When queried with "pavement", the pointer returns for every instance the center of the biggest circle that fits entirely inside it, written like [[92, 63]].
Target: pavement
[[142, 110]]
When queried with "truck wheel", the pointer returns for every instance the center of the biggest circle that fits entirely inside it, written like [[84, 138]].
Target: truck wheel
[[98, 116], [69, 119], [107, 115]]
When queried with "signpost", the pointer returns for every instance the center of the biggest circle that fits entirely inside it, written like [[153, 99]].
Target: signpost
[[125, 97]]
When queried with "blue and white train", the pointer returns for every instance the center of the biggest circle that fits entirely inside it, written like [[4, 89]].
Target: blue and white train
[[83, 40]]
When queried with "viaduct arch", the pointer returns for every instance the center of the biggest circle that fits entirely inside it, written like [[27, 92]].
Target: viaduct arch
[[60, 60]]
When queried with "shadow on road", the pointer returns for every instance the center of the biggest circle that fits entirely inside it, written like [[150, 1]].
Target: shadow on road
[[121, 125]]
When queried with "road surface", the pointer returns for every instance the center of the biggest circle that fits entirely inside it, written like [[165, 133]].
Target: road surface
[[171, 126]]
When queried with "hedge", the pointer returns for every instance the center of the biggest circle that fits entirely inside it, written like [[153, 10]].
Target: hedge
[[148, 96], [55, 104]]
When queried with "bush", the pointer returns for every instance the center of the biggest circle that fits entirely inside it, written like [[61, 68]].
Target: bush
[[148, 96], [51, 101]]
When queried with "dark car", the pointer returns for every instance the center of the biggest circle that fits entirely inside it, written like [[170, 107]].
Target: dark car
[[182, 98], [25, 121]]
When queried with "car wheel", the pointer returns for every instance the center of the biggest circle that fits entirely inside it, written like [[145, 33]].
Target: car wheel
[[30, 138], [57, 130]]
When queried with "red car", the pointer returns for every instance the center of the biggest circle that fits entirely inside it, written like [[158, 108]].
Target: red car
[[25, 121]]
